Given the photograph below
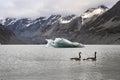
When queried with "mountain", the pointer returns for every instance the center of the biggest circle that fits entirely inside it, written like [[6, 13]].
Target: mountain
[[93, 13], [7, 36], [103, 30], [37, 30], [71, 29], [32, 30]]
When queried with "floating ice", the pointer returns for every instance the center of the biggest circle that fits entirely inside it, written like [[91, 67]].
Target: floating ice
[[62, 43]]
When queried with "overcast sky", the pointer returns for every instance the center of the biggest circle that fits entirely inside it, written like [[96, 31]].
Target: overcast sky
[[35, 8]]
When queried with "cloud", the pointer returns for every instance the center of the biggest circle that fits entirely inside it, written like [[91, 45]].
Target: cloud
[[35, 8]]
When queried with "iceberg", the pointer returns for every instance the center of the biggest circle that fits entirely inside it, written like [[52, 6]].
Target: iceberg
[[62, 43]]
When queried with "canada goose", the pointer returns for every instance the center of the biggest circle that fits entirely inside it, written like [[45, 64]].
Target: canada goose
[[92, 58], [77, 59]]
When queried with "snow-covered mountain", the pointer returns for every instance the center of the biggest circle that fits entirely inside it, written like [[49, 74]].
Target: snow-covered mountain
[[103, 30], [68, 27], [36, 30], [93, 13], [26, 27], [27, 22]]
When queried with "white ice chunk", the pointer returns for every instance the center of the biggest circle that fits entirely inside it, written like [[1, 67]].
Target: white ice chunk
[[62, 43]]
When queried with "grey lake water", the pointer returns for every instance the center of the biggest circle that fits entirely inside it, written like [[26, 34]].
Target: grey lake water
[[38, 62]]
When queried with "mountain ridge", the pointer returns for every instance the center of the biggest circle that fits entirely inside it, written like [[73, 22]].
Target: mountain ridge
[[91, 27]]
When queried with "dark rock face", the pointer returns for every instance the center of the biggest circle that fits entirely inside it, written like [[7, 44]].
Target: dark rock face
[[7, 36], [4, 34]]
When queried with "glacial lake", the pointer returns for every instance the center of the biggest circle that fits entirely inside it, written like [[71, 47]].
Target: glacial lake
[[38, 62]]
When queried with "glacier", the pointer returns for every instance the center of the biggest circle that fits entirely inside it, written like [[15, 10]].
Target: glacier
[[63, 43]]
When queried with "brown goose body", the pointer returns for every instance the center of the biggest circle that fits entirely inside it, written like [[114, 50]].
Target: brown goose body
[[76, 59], [92, 58]]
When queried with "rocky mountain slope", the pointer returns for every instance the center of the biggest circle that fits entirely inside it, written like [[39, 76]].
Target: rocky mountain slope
[[104, 30], [32, 30], [70, 29], [7, 36]]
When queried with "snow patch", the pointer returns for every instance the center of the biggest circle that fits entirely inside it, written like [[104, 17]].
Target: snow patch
[[13, 21], [63, 21], [3, 21], [98, 11]]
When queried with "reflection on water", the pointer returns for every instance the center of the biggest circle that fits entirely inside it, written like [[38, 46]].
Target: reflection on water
[[33, 62]]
